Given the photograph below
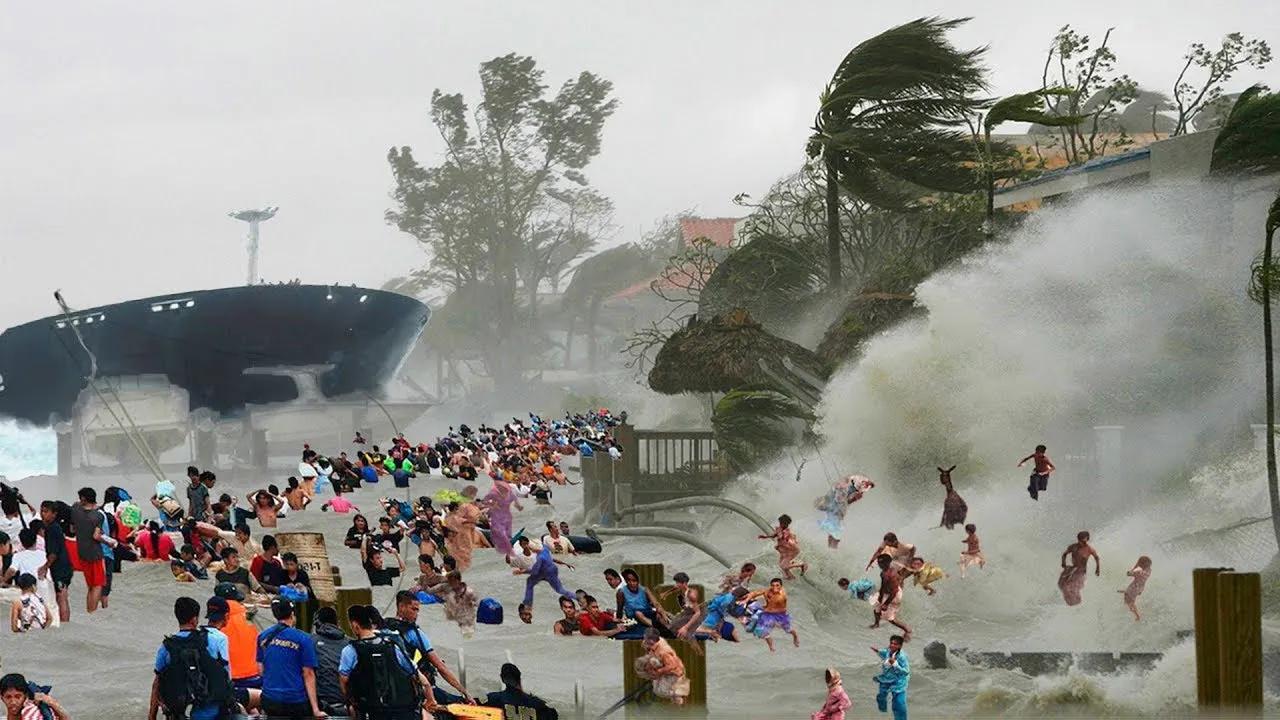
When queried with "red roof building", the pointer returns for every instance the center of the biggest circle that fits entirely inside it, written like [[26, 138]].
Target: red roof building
[[720, 231]]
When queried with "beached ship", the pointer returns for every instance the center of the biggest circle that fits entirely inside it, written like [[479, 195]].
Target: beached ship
[[218, 353]]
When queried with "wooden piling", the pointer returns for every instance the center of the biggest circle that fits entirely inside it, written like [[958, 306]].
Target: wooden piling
[[1239, 629], [652, 575], [347, 597], [1204, 588]]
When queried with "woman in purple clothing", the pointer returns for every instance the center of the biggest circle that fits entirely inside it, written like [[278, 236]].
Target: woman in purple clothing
[[499, 502]]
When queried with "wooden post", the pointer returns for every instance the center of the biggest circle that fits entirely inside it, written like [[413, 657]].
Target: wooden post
[[1240, 642], [1204, 588], [337, 576], [652, 575], [695, 668], [348, 597]]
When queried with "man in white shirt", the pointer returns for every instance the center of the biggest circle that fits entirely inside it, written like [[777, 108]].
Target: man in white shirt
[[307, 473]]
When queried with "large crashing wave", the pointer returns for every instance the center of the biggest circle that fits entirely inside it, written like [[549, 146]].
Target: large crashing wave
[[1127, 307]]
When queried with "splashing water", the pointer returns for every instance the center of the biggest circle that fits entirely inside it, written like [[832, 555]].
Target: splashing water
[[1124, 308], [26, 451]]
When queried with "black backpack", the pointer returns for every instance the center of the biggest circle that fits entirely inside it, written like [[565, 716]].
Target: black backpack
[[193, 677], [378, 683], [402, 628]]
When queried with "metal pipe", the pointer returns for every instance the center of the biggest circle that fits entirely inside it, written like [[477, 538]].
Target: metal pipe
[[660, 532], [697, 500]]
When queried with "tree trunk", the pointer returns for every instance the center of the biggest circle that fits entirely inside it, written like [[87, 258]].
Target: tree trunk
[[833, 225], [990, 180], [1273, 482], [593, 351], [568, 342]]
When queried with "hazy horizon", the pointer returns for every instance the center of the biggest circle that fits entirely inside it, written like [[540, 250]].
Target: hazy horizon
[[133, 130]]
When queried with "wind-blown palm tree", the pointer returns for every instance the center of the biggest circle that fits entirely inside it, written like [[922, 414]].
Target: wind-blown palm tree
[[887, 121], [1249, 144], [1024, 107]]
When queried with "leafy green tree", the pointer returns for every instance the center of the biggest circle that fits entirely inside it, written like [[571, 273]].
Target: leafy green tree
[[1218, 67], [886, 123], [1249, 144], [511, 172], [1094, 91]]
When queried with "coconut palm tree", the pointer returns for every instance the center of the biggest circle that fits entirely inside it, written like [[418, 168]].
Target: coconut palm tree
[[887, 121], [1024, 107], [1249, 144]]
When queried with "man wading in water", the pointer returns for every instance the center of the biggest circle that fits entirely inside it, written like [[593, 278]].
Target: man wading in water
[[1071, 581]]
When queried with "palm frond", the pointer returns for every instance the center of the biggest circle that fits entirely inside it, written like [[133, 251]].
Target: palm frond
[[1249, 141], [768, 275], [754, 424], [1027, 107]]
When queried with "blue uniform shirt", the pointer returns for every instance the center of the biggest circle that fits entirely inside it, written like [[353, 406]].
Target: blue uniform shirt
[[217, 646], [282, 658]]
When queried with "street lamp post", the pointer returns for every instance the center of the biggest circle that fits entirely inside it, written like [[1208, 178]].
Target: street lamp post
[[254, 217]]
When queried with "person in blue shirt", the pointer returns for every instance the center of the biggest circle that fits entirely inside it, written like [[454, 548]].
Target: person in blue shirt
[[716, 625], [895, 672], [377, 688], [202, 647], [287, 658], [405, 625]]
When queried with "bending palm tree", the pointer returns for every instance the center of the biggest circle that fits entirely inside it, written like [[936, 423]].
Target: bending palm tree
[[1249, 144], [887, 120], [1024, 107]]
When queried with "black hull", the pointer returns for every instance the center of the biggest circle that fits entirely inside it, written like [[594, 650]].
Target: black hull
[[205, 340]]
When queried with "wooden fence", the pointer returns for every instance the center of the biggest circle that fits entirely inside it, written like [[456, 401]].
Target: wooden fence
[[656, 465]]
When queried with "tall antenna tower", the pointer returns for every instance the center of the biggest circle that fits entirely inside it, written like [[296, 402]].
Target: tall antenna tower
[[254, 218]]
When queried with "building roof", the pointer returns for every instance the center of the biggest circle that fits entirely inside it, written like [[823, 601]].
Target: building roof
[[721, 233]]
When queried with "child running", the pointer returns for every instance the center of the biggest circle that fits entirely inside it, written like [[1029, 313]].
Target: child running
[[1040, 476], [972, 553], [774, 613], [788, 547], [1140, 573], [895, 674]]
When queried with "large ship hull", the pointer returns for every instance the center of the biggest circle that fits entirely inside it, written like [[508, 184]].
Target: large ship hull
[[204, 341]]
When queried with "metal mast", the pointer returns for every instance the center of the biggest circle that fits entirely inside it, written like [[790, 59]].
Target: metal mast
[[254, 217]]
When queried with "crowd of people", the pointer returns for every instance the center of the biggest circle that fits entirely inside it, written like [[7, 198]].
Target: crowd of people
[[204, 536], [386, 667]]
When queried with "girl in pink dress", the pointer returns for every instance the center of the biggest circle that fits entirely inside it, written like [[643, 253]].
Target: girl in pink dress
[[837, 699]]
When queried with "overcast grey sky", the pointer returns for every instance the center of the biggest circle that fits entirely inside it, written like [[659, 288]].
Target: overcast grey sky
[[129, 130]]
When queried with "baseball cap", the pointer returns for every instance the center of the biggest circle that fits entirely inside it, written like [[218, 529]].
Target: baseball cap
[[228, 591], [216, 609]]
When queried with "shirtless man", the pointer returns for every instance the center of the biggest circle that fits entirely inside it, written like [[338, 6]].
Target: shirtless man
[[1040, 477], [266, 506], [899, 553], [889, 601], [1071, 581]]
